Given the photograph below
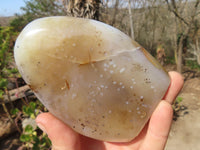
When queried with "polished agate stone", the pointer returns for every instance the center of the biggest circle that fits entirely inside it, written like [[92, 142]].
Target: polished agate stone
[[91, 76]]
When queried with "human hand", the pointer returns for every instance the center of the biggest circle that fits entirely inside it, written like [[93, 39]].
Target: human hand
[[153, 136]]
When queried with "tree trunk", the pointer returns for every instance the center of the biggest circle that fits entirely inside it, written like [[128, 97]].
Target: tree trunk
[[115, 12], [197, 50], [175, 48], [131, 19], [180, 53], [175, 43], [84, 8]]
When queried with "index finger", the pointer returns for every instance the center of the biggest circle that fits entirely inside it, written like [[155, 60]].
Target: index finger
[[175, 86]]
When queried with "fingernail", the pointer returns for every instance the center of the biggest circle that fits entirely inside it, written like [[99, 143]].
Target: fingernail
[[41, 127]]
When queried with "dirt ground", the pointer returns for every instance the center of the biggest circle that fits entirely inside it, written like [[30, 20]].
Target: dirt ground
[[185, 130]]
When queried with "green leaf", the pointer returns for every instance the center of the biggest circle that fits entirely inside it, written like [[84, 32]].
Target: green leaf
[[29, 129], [25, 138], [14, 111], [1, 93], [3, 83], [34, 133], [14, 70], [37, 111], [179, 99], [32, 116], [36, 139], [36, 146], [32, 105], [28, 111]]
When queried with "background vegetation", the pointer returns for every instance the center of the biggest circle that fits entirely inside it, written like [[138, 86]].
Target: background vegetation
[[173, 26]]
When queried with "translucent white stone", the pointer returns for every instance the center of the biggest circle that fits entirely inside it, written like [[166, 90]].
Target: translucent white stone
[[91, 76]]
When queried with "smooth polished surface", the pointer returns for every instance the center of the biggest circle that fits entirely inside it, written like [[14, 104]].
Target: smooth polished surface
[[91, 76]]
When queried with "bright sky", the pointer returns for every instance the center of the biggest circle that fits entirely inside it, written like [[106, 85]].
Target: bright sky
[[10, 7]]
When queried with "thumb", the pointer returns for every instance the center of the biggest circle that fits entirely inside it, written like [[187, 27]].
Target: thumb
[[61, 136]]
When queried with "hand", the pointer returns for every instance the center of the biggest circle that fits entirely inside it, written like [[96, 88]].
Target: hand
[[152, 137]]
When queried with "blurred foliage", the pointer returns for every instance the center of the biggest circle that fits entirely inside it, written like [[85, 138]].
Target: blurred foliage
[[170, 60], [177, 104], [33, 141], [20, 21], [41, 8], [32, 137], [36, 9], [7, 70], [179, 99], [179, 108], [192, 64]]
